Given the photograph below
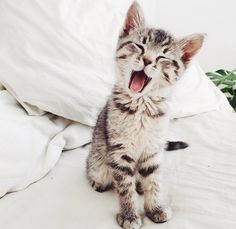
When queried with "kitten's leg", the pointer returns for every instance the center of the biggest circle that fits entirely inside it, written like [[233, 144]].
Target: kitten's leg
[[148, 170], [125, 183], [98, 172]]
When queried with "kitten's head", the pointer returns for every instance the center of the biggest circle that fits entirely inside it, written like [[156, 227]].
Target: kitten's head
[[150, 59]]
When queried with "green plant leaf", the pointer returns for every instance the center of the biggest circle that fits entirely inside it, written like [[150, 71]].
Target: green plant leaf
[[222, 72], [228, 82], [212, 74], [222, 86], [228, 95], [225, 80]]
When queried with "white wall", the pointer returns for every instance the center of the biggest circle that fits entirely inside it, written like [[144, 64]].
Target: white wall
[[217, 18]]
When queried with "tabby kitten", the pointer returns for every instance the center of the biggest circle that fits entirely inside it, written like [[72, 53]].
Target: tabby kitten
[[129, 136]]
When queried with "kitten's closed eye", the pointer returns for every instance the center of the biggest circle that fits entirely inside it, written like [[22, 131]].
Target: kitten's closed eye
[[132, 46], [140, 47], [160, 57], [136, 48]]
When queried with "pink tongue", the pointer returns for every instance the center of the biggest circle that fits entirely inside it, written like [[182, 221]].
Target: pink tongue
[[137, 82]]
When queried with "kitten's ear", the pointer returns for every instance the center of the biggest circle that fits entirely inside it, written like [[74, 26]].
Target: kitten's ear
[[190, 45], [134, 19]]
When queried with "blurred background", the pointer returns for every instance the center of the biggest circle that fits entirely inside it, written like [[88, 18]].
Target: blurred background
[[216, 18]]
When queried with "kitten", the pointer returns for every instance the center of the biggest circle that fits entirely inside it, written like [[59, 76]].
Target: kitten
[[129, 136]]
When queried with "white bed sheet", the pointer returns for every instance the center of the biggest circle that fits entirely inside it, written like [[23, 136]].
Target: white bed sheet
[[30, 146], [200, 181]]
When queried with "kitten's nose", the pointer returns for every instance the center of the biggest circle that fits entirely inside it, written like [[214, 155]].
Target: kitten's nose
[[146, 61]]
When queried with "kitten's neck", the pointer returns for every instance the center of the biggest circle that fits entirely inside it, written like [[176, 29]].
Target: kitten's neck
[[152, 104]]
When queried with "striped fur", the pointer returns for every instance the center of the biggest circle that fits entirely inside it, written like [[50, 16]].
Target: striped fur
[[129, 136]]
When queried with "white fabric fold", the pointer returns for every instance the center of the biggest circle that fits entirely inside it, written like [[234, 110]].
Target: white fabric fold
[[30, 146], [199, 183]]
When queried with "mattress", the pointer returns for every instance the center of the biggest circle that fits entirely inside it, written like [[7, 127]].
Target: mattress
[[199, 183]]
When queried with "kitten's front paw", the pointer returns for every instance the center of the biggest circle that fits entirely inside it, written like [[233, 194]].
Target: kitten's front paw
[[159, 214], [127, 222]]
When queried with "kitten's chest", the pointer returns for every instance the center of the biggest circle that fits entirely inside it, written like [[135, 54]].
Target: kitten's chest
[[138, 131], [148, 130]]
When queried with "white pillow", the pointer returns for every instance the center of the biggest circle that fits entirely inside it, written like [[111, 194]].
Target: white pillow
[[57, 56], [195, 93]]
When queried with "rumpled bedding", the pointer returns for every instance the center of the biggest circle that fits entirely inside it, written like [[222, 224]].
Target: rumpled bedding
[[31, 145], [199, 183]]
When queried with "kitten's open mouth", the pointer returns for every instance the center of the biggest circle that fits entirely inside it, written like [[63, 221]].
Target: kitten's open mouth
[[138, 81]]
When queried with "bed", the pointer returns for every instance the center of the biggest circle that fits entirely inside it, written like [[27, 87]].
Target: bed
[[199, 182]]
